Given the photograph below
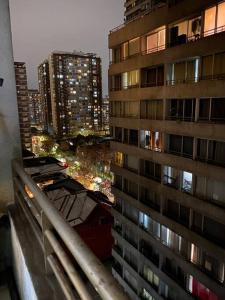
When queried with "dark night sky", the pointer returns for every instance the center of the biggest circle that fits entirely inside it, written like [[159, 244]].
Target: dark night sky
[[42, 26]]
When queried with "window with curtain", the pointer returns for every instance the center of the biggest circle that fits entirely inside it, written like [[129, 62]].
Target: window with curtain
[[218, 109], [175, 143], [152, 42], [133, 78], [124, 51], [204, 109], [179, 71], [210, 21], [216, 152], [216, 191], [221, 17], [131, 109], [119, 159], [207, 64], [219, 64], [125, 80], [134, 46]]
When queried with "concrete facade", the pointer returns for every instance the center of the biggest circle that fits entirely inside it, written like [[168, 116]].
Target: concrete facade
[[167, 105], [9, 122]]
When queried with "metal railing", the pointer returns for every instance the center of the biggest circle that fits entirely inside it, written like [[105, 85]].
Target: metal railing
[[57, 238]]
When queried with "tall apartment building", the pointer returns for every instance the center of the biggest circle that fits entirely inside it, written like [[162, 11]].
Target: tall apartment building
[[136, 8], [45, 93], [76, 91], [105, 114], [23, 104], [167, 97], [36, 109]]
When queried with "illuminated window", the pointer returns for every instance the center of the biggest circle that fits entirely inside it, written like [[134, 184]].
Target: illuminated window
[[154, 41], [214, 19]]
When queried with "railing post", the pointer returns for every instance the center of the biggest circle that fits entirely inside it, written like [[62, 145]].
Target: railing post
[[46, 225]]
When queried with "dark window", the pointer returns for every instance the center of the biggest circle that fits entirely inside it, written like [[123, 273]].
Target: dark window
[[218, 109], [118, 134], [125, 136], [204, 109], [184, 215], [133, 137], [187, 146], [214, 231], [175, 143], [197, 222]]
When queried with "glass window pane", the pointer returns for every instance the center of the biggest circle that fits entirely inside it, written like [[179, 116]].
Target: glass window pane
[[210, 21], [221, 17], [152, 42], [134, 46]]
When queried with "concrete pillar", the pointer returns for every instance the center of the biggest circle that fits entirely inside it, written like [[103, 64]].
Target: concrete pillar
[[9, 124]]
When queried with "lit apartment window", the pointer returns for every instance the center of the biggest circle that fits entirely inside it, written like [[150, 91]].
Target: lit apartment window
[[149, 225], [146, 295], [214, 21], [198, 290], [151, 140], [152, 109], [130, 79], [181, 109], [151, 277], [171, 177], [154, 41], [119, 159]]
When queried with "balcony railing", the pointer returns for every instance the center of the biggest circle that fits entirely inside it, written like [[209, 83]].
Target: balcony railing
[[53, 232]]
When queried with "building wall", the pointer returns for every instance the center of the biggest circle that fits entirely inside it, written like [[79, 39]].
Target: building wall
[[167, 196], [76, 92], [45, 94], [23, 104], [36, 109], [9, 123]]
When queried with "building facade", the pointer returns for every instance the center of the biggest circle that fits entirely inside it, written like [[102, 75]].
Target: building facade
[[23, 104], [45, 94], [105, 114], [136, 8], [76, 92], [36, 111], [167, 105]]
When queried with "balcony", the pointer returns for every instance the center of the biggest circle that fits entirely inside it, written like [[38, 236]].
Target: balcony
[[48, 254]]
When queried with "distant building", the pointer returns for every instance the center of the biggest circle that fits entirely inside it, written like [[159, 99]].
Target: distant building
[[45, 94], [75, 84], [36, 109], [136, 8], [105, 114], [23, 104]]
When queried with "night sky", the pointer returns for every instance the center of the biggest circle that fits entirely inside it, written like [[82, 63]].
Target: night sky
[[42, 26]]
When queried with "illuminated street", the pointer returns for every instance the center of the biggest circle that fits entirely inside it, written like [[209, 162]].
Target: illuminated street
[[88, 164]]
